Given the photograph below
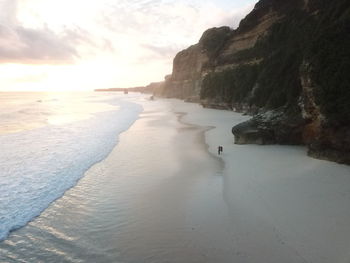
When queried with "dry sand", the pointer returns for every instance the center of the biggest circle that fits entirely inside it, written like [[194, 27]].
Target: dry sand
[[163, 195], [284, 205]]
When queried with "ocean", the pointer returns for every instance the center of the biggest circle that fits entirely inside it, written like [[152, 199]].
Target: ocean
[[48, 141]]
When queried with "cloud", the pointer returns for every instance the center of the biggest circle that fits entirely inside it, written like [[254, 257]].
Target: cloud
[[123, 42], [163, 28], [155, 27], [19, 44], [29, 46]]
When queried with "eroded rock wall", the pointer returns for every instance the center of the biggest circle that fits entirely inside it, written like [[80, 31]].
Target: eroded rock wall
[[288, 64]]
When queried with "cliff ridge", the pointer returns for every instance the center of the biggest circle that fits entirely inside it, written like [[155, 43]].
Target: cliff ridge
[[287, 64]]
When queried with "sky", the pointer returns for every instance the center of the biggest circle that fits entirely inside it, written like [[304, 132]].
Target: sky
[[77, 45]]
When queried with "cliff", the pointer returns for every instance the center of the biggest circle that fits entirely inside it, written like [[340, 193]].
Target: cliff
[[288, 64]]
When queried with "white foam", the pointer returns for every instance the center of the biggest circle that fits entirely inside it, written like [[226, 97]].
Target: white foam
[[39, 165]]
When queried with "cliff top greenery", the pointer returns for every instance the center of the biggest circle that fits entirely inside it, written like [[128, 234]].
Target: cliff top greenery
[[214, 39], [318, 36]]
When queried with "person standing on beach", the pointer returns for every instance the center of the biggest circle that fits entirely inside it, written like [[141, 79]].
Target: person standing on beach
[[220, 150]]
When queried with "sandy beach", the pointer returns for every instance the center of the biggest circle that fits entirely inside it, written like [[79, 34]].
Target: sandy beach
[[164, 195], [284, 205], [156, 198], [175, 131]]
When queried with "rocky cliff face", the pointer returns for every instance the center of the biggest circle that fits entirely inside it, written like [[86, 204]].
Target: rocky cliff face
[[288, 64]]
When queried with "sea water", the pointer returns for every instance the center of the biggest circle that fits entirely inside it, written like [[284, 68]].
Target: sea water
[[48, 141], [157, 197]]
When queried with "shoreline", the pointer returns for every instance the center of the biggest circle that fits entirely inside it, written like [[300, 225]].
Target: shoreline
[[38, 166], [132, 207], [164, 194], [202, 135]]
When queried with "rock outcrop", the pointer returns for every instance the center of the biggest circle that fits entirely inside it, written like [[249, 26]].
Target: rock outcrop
[[287, 64], [271, 127]]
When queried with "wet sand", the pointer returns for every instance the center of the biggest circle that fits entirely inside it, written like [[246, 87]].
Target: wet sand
[[156, 198], [163, 195]]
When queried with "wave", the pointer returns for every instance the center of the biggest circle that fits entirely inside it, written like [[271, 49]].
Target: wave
[[38, 166]]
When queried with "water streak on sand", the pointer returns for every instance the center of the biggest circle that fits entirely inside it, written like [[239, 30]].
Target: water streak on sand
[[202, 141]]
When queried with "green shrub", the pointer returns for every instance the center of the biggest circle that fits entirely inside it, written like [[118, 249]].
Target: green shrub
[[322, 40], [231, 85]]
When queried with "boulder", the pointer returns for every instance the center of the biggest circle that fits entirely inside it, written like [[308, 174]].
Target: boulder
[[271, 127]]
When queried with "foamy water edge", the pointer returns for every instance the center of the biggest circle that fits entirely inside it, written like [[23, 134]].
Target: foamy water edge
[[39, 166]]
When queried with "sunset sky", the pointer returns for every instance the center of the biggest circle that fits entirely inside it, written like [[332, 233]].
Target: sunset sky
[[51, 45]]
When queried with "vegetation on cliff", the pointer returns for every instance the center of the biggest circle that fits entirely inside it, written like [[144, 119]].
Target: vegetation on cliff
[[231, 85], [329, 57], [287, 57], [213, 40], [322, 39]]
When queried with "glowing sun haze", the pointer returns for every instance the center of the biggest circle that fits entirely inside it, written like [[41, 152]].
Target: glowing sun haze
[[50, 45]]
